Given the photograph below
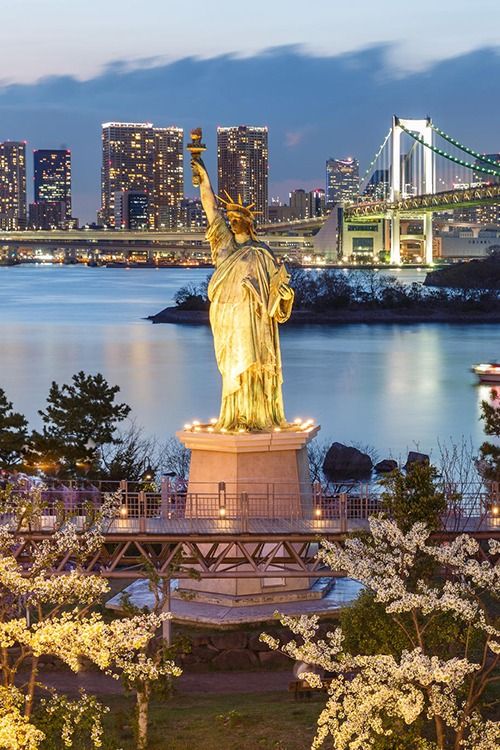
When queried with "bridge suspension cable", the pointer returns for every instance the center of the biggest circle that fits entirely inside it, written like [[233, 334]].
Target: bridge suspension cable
[[461, 146], [450, 157], [373, 161]]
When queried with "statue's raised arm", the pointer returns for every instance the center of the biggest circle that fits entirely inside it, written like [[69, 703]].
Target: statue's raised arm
[[207, 195]]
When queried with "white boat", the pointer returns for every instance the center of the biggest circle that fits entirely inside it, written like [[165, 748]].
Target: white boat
[[488, 372]]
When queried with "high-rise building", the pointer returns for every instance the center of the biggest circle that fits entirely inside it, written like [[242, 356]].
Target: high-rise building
[[131, 210], [243, 165], [489, 213], [168, 176], [13, 185], [315, 203], [52, 178], [48, 215], [128, 150], [377, 187], [191, 214], [342, 181], [137, 157], [298, 204]]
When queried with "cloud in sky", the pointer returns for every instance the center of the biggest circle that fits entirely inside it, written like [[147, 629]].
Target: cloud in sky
[[315, 107], [80, 38], [294, 137]]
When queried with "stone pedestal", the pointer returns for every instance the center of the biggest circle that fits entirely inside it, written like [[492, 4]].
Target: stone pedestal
[[237, 476]]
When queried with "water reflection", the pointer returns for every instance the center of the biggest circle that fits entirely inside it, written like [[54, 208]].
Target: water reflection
[[391, 386]]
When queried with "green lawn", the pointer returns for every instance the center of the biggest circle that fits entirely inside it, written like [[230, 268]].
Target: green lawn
[[260, 721]]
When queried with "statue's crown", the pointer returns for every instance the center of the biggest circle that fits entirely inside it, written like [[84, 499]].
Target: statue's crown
[[237, 207]]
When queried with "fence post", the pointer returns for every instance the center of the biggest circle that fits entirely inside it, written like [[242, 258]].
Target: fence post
[[343, 512], [494, 503], [244, 511], [165, 497], [142, 511], [221, 492], [124, 490]]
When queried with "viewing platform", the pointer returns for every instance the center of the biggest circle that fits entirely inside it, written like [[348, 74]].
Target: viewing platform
[[243, 507]]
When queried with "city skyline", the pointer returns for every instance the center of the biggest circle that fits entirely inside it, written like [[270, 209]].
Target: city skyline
[[145, 164], [142, 178], [67, 113]]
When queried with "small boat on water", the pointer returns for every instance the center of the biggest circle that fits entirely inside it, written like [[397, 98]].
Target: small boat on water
[[488, 372]]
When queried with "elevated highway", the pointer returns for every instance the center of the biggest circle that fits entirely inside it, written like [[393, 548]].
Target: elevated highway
[[151, 243]]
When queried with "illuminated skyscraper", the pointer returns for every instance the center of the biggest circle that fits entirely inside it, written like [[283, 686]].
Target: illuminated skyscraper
[[127, 163], [342, 181], [13, 185], [52, 178], [131, 210], [242, 165], [316, 203], [168, 176], [137, 157], [377, 187]]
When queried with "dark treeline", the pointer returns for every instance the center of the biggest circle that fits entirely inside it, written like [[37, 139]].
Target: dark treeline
[[330, 290], [473, 274], [321, 291], [82, 435]]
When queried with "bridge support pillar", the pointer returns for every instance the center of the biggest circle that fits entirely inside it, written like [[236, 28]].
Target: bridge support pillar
[[395, 240], [428, 257]]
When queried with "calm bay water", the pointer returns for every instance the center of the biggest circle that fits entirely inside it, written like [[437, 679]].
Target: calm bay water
[[394, 387]]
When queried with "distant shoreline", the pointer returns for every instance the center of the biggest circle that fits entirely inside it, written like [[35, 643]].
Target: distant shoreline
[[307, 317]]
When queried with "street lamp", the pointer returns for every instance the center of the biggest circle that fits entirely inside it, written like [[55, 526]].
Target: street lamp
[[148, 474]]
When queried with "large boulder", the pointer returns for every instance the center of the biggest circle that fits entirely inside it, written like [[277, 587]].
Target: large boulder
[[416, 458], [346, 462], [386, 466]]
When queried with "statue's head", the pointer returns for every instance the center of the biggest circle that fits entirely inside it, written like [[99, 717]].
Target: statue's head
[[241, 218]]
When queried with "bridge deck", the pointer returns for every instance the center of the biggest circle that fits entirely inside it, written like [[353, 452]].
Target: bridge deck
[[216, 527], [219, 535]]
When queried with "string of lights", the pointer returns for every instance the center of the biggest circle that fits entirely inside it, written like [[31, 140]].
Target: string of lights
[[446, 155], [466, 149], [373, 161]]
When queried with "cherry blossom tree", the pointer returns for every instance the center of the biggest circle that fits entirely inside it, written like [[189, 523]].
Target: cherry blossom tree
[[151, 671], [446, 689], [490, 452], [42, 613]]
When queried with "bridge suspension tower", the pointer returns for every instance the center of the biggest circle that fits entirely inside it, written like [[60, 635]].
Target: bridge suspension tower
[[399, 184]]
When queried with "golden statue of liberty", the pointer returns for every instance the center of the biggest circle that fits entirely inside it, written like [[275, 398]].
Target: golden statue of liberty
[[249, 295]]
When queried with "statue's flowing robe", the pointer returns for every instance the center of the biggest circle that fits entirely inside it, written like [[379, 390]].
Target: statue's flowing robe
[[245, 309]]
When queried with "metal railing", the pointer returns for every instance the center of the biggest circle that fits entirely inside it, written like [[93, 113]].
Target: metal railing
[[246, 506]]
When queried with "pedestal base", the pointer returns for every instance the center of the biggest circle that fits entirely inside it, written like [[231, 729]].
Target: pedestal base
[[249, 475], [264, 475]]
